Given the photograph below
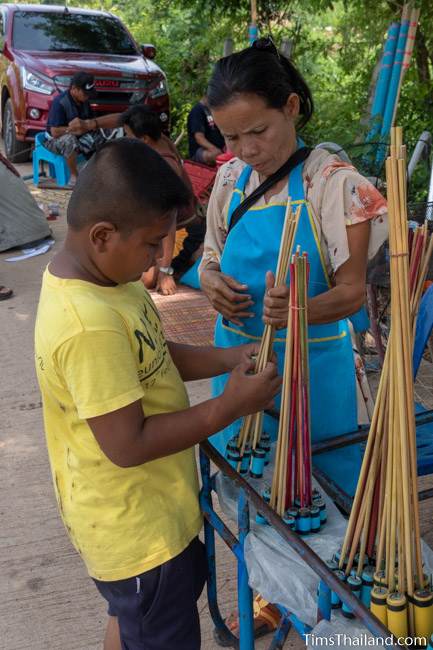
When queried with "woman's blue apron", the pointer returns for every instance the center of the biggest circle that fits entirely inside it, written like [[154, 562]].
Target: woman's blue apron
[[250, 250]]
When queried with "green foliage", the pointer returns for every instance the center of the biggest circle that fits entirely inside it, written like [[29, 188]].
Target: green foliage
[[336, 45]]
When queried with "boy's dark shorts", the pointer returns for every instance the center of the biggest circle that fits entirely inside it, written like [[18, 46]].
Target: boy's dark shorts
[[157, 610]]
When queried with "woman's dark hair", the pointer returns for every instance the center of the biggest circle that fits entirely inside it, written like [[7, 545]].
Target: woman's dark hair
[[259, 70], [142, 120]]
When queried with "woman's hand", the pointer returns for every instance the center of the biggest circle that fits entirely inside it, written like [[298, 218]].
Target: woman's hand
[[276, 303], [226, 295]]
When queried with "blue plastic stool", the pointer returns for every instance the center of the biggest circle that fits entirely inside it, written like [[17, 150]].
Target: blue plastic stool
[[58, 169]]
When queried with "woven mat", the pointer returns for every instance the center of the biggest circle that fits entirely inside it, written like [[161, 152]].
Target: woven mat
[[45, 196], [187, 316]]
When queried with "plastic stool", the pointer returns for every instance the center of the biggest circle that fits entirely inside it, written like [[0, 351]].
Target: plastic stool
[[58, 169]]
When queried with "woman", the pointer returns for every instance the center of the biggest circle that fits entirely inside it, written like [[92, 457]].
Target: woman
[[259, 101], [141, 122]]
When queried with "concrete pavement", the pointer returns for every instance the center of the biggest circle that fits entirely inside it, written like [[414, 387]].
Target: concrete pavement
[[47, 601]]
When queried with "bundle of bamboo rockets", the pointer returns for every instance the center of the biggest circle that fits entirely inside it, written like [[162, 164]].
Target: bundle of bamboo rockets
[[380, 558], [292, 495], [381, 552]]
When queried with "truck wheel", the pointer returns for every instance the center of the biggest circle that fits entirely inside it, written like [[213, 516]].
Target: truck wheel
[[16, 151]]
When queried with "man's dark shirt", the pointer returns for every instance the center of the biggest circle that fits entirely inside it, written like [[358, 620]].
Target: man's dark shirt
[[58, 115], [200, 120]]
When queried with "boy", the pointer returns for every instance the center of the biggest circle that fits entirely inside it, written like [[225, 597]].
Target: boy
[[142, 122], [119, 429]]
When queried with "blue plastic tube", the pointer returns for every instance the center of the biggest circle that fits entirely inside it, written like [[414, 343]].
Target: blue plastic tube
[[382, 83], [253, 33], [394, 84]]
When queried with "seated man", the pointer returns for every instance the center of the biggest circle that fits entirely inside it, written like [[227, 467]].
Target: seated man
[[204, 138], [143, 123], [69, 105]]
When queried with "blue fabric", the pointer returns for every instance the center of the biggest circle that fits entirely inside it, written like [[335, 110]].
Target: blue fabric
[[190, 278], [344, 465], [63, 110], [360, 321], [250, 250], [424, 444], [424, 327]]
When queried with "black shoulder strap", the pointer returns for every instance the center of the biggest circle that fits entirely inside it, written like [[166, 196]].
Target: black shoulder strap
[[295, 159]]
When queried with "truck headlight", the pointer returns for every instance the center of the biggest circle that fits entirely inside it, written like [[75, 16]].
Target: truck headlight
[[37, 83], [34, 113], [160, 90]]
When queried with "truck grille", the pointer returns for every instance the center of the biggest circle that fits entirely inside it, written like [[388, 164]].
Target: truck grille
[[112, 98], [127, 90]]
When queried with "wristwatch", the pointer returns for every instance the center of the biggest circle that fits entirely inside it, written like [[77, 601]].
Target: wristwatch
[[168, 270]]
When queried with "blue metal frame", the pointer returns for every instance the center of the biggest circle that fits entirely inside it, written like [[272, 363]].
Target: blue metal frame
[[212, 523], [246, 632], [246, 623]]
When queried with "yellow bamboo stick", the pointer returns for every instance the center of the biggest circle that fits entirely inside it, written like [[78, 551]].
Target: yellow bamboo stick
[[407, 361], [285, 409], [250, 431], [391, 446]]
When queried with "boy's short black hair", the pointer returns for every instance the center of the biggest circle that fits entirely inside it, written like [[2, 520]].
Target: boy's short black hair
[[142, 120], [128, 184]]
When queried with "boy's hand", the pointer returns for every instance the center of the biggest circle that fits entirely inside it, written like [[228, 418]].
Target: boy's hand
[[247, 393], [276, 303], [243, 354]]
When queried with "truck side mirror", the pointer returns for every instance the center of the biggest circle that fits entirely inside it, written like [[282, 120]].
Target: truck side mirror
[[148, 50]]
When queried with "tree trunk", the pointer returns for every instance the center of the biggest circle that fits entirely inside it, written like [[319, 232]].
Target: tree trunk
[[422, 58]]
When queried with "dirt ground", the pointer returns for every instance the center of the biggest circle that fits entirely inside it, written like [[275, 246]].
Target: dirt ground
[[47, 602]]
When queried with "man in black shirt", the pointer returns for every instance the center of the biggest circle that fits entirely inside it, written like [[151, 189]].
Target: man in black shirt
[[66, 107], [204, 138]]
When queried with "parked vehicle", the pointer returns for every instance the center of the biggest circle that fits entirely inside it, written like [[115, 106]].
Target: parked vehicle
[[41, 46]]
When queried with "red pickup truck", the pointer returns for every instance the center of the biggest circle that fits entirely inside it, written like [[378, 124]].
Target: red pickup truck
[[42, 46]]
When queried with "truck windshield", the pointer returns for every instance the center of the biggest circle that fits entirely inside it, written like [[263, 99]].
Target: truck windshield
[[70, 32]]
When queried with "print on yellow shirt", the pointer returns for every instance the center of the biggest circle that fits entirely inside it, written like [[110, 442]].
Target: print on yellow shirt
[[99, 349]]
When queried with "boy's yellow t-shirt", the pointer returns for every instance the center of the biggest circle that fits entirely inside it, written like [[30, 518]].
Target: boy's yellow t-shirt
[[99, 349]]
